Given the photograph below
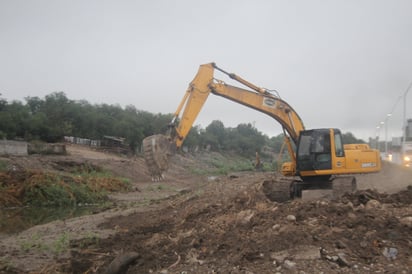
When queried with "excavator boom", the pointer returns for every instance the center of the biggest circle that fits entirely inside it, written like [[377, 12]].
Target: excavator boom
[[195, 97]]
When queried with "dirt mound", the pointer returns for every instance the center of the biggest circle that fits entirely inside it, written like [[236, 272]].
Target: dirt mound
[[233, 228]]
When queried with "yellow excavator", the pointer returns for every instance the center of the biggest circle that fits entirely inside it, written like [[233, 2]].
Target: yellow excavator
[[319, 158]]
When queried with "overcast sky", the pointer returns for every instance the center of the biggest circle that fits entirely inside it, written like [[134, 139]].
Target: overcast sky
[[340, 64]]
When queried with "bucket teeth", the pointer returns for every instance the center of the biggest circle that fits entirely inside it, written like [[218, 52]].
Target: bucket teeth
[[156, 151]]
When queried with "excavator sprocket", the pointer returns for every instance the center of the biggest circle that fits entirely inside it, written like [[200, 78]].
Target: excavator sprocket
[[156, 149]]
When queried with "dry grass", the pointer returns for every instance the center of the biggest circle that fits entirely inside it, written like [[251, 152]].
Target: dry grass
[[46, 188]]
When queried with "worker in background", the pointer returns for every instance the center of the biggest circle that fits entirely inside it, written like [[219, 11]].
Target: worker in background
[[258, 163]]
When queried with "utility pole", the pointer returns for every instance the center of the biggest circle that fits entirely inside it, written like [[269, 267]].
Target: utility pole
[[404, 115], [386, 133]]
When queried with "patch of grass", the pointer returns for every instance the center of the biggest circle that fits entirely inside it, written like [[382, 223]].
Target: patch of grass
[[159, 187], [91, 239], [220, 165], [61, 244], [242, 165], [199, 192], [3, 166], [200, 171], [51, 189], [34, 242], [7, 266]]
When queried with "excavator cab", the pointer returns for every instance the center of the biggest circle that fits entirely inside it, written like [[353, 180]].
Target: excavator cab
[[314, 150], [321, 153], [324, 162]]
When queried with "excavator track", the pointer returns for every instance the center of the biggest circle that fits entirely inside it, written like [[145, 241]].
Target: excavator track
[[156, 149], [336, 187], [278, 190], [283, 189]]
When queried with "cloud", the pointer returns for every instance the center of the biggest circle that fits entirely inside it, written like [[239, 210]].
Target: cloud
[[339, 64]]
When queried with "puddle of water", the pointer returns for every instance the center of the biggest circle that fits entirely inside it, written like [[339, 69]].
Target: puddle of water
[[14, 220]]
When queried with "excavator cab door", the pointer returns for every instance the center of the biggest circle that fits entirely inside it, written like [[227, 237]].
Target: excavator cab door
[[314, 150]]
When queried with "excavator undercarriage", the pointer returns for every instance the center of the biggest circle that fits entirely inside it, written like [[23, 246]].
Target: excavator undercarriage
[[283, 189]]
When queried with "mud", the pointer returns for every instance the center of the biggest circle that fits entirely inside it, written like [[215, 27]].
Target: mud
[[225, 224]]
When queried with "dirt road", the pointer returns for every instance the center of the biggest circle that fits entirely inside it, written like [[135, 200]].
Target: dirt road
[[198, 224]]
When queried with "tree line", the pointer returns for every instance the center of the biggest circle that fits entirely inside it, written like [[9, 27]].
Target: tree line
[[51, 118]]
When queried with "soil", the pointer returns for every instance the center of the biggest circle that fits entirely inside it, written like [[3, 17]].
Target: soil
[[197, 224]]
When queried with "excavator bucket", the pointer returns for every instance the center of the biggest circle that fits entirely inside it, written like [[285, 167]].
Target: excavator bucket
[[157, 149]]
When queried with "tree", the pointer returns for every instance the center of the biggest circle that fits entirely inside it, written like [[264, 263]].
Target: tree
[[35, 104], [3, 103], [54, 116], [214, 135], [276, 142], [349, 138], [245, 139], [14, 120], [56, 107], [193, 139]]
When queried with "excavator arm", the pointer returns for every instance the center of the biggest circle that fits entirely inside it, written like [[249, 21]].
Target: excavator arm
[[158, 147]]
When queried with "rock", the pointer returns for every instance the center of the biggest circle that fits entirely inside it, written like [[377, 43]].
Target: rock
[[316, 238], [233, 176], [291, 218], [121, 263], [276, 227], [406, 221], [390, 253], [350, 205], [342, 260], [184, 191], [302, 252], [323, 203], [339, 244], [308, 252], [373, 204], [361, 207], [289, 264], [333, 258], [245, 216], [363, 244], [280, 256], [213, 179], [274, 209]]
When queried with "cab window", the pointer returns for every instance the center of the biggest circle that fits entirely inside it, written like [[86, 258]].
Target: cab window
[[338, 145]]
